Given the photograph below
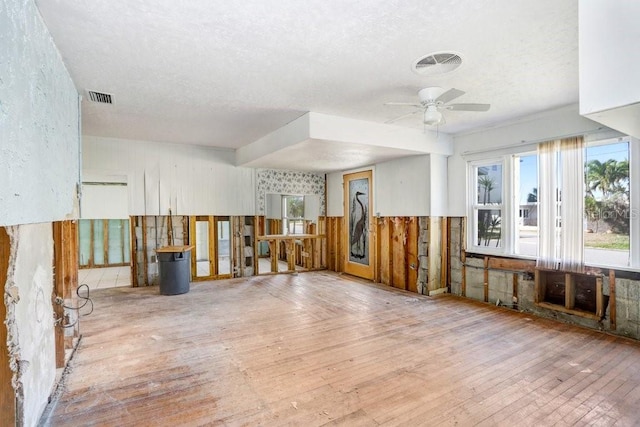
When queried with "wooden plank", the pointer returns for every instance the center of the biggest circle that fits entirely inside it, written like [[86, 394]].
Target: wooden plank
[[58, 292], [397, 255], [612, 300], [463, 284], [133, 246], [570, 291], [575, 312], [448, 256], [497, 263], [540, 285], [444, 251], [386, 262], [412, 254], [105, 240], [486, 279], [145, 259], [599, 298], [185, 230], [7, 394], [73, 255], [463, 256]]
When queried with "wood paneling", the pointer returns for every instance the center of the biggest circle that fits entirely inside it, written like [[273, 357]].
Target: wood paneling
[[7, 394], [133, 249], [411, 248], [334, 243], [318, 349]]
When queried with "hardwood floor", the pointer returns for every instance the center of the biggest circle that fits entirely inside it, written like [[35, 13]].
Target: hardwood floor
[[318, 348]]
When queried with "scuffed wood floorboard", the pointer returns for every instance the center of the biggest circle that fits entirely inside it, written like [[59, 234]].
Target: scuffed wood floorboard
[[323, 349]]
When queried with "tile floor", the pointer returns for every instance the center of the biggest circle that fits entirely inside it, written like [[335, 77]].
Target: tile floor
[[108, 277]]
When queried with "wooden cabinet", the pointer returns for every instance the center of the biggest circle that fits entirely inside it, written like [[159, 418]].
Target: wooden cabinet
[[573, 293]]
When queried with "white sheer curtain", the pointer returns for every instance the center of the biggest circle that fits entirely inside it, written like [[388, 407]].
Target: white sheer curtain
[[548, 212], [561, 204]]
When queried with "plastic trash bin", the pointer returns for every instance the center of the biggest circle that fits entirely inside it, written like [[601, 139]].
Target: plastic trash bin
[[175, 272]]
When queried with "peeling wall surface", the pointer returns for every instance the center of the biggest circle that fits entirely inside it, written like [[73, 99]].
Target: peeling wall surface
[[39, 121], [30, 318], [189, 179]]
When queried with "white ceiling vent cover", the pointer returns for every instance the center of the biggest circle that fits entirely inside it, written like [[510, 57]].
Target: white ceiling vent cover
[[437, 63], [100, 97]]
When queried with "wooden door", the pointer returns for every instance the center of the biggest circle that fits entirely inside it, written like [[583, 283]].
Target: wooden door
[[359, 229], [7, 394]]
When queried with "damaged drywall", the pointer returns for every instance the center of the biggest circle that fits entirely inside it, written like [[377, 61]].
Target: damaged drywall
[[30, 325], [39, 112]]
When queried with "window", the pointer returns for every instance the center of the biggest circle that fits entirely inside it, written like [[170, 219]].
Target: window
[[607, 204], [525, 175], [293, 214], [487, 205], [504, 203]]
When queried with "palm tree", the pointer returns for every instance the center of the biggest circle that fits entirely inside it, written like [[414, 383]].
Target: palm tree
[[487, 184], [533, 196], [609, 177]]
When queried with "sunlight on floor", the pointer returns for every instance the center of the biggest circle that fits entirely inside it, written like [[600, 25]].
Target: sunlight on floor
[[102, 278]]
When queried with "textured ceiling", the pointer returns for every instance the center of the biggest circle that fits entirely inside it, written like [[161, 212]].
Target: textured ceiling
[[227, 73]]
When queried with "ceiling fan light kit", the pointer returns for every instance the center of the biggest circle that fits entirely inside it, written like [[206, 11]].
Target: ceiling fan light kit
[[432, 116]]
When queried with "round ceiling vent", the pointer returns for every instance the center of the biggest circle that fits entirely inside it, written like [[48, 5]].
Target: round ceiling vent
[[436, 64]]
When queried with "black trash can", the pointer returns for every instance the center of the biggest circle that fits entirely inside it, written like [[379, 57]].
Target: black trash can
[[175, 272]]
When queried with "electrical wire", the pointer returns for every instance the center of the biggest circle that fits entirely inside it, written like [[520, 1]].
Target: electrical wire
[[86, 300]]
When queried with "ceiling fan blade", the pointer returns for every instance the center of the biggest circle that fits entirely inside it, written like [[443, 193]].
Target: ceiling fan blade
[[403, 116], [450, 95], [468, 107], [402, 104]]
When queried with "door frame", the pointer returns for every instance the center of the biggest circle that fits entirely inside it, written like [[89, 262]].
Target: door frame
[[354, 268], [212, 235]]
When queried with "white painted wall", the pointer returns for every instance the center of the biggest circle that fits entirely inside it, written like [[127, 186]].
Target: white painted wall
[[411, 186], [335, 194], [32, 329], [39, 140], [189, 179], [438, 194], [402, 187], [609, 63], [525, 132], [104, 202], [609, 60]]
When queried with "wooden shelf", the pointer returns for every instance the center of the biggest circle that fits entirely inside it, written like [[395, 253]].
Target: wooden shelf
[[578, 294]]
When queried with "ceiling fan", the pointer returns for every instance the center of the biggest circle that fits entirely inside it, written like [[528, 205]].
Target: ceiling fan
[[433, 100]]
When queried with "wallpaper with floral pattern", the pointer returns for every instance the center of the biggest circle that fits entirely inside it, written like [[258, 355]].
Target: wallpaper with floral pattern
[[272, 181]]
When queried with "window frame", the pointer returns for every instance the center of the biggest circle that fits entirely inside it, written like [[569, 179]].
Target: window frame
[[285, 212], [474, 206]]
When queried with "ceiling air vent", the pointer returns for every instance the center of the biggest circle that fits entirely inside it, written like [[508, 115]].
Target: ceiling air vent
[[103, 98], [437, 63]]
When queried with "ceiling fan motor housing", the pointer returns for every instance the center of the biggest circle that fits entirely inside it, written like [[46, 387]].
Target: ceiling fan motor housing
[[429, 95]]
